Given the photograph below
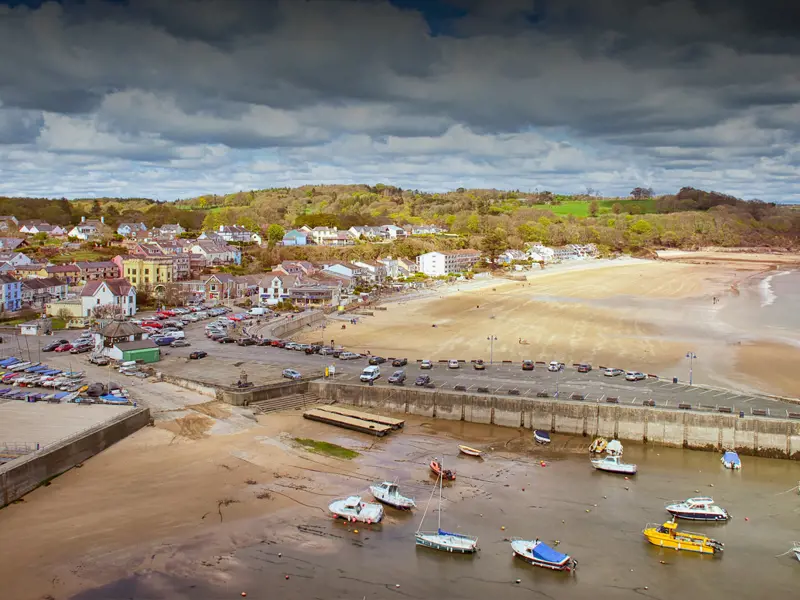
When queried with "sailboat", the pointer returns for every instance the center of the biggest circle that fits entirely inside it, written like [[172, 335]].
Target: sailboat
[[444, 540]]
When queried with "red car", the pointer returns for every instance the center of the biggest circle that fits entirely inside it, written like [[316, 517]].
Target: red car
[[153, 324], [277, 343], [64, 348]]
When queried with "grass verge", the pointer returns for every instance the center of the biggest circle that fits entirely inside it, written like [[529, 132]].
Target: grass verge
[[326, 448]]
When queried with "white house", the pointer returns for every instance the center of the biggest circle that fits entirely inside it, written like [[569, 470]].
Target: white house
[[425, 229], [346, 269], [217, 254], [373, 271], [540, 253], [323, 236], [34, 227], [275, 287], [509, 256], [436, 264], [15, 259], [236, 233], [118, 294], [394, 232], [86, 230], [127, 229]]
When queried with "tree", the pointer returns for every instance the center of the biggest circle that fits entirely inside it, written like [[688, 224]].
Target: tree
[[494, 243], [616, 208], [640, 193], [593, 208], [275, 234]]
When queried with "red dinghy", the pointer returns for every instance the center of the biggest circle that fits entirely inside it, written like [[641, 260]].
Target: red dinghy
[[448, 474]]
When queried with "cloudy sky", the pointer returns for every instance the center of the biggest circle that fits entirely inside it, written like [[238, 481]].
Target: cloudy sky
[[174, 98]]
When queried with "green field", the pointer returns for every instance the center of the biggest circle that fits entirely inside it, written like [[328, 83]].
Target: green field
[[580, 208]]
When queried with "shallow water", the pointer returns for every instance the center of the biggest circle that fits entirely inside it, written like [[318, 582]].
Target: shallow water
[[597, 518]]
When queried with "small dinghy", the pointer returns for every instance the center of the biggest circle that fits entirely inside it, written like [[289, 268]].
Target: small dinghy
[[613, 464], [389, 493], [448, 474], [597, 446], [796, 549], [353, 509], [730, 460], [541, 436], [541, 555], [698, 509], [614, 448], [469, 451]]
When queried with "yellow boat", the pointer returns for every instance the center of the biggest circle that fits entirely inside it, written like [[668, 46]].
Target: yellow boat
[[598, 446], [668, 536]]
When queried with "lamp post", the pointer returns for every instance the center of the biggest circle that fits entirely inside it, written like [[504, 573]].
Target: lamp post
[[558, 377], [491, 339], [691, 356]]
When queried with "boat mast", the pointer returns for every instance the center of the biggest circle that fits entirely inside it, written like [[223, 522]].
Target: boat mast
[[441, 483], [427, 506]]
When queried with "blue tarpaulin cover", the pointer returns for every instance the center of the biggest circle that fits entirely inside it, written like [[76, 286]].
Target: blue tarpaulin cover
[[546, 553]]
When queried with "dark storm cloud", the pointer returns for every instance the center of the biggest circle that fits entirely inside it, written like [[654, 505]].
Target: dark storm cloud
[[149, 79]]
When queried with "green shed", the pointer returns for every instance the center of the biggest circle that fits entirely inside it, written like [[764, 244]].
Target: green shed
[[142, 350]]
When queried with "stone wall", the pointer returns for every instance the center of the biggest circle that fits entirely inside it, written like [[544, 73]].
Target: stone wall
[[761, 436], [24, 474]]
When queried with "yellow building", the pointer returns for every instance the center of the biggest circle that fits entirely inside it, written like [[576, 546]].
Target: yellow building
[[154, 271]]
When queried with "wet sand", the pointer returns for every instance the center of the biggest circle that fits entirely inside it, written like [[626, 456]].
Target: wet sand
[[634, 315], [142, 520]]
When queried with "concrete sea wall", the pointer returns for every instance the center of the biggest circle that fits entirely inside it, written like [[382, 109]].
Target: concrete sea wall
[[289, 326], [761, 436], [22, 475]]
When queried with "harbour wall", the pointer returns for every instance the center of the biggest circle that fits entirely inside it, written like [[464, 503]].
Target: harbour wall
[[26, 473], [759, 436]]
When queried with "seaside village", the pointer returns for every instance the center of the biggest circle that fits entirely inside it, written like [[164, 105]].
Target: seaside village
[[166, 266]]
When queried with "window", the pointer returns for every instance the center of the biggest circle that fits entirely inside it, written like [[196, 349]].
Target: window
[[147, 271]]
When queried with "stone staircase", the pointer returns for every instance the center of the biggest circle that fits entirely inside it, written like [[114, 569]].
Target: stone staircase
[[293, 401]]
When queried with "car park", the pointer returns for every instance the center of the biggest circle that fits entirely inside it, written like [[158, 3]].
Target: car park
[[197, 354], [635, 376], [610, 372], [527, 365], [426, 364], [376, 360], [453, 364], [399, 362], [555, 366], [398, 377], [423, 380], [479, 365], [584, 368], [180, 344], [291, 374]]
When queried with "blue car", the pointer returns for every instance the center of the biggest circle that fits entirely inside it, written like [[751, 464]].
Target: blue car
[[164, 341]]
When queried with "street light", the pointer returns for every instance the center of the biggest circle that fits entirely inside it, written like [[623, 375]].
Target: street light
[[491, 339], [691, 356]]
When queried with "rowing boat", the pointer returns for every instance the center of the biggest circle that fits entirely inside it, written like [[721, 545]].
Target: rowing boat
[[469, 451]]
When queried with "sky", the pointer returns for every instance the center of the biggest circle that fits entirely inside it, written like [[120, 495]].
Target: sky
[[172, 99]]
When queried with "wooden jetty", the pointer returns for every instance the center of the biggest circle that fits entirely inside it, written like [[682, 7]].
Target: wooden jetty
[[364, 416], [316, 414]]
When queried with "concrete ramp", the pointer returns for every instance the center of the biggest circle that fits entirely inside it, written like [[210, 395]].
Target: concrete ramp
[[364, 416], [317, 414]]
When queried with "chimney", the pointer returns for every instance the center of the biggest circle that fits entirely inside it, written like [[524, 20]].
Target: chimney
[[102, 220], [83, 219], [221, 227]]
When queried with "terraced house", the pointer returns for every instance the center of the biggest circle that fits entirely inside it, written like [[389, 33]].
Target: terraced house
[[10, 293]]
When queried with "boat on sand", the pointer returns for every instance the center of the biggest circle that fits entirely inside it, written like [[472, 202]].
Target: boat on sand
[[796, 549], [445, 541], [613, 464], [353, 509], [541, 436], [730, 460], [436, 467], [540, 554], [469, 451], [389, 493], [698, 509], [668, 536]]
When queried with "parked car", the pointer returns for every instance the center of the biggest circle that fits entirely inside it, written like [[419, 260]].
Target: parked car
[[277, 343], [453, 364], [426, 364], [100, 361], [289, 345], [398, 377], [326, 350], [349, 356], [399, 362], [312, 349], [264, 342], [81, 348], [164, 341], [584, 368], [370, 373], [527, 365], [555, 366], [53, 345], [64, 348], [302, 347], [635, 376], [479, 365], [197, 354], [376, 360], [245, 342], [180, 344], [291, 374], [423, 380], [226, 340], [613, 372]]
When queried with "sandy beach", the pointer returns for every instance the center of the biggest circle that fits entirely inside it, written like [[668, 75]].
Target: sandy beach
[[632, 314], [176, 511]]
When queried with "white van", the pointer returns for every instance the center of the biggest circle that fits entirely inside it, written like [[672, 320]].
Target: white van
[[257, 311], [371, 373]]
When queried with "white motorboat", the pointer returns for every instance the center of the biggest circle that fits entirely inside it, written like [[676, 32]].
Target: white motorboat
[[353, 509], [613, 464], [796, 549], [698, 509], [538, 553], [541, 437], [614, 448], [389, 493]]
